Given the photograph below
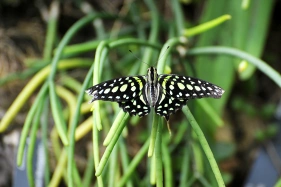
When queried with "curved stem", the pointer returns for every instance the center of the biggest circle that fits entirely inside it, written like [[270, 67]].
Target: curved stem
[[260, 64], [205, 146]]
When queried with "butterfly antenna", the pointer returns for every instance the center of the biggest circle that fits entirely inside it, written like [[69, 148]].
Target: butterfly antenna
[[161, 56], [139, 58]]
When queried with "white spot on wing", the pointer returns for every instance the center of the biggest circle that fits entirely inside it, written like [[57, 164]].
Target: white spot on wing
[[106, 91]]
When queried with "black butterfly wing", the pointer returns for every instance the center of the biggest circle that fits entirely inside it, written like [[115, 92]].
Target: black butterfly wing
[[183, 87], [121, 89], [127, 91], [177, 90], [167, 105], [137, 106]]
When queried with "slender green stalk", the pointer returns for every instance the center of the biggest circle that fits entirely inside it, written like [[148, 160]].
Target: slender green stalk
[[191, 181], [89, 170], [153, 137], [211, 113], [206, 26], [96, 79], [69, 98], [32, 144], [185, 175], [76, 175], [96, 151], [158, 155], [153, 35], [153, 170], [134, 163], [72, 83], [132, 41], [113, 166], [32, 85], [114, 127], [165, 52], [179, 17], [44, 129], [197, 155], [205, 146], [73, 125], [111, 145], [67, 37], [28, 122], [51, 30], [23, 75], [168, 171], [60, 168], [260, 64], [57, 114], [125, 161]]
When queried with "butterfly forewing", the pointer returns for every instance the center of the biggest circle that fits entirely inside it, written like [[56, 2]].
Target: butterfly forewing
[[119, 90], [182, 87]]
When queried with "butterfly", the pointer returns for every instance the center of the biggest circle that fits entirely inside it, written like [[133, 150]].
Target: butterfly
[[166, 93]]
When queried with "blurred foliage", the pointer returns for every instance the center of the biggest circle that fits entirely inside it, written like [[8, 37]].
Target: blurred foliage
[[82, 42]]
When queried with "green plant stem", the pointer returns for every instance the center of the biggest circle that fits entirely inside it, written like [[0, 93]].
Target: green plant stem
[[132, 41], [28, 122], [179, 17], [158, 155], [212, 115], [60, 168], [73, 125], [153, 35], [125, 162], [72, 83], [32, 143], [153, 170], [69, 34], [167, 165], [165, 52], [134, 163], [51, 30], [114, 128], [99, 58], [153, 136], [89, 170], [184, 177], [204, 145], [96, 151], [57, 114], [260, 64], [111, 145], [70, 100], [44, 129], [206, 26], [32, 85], [113, 166]]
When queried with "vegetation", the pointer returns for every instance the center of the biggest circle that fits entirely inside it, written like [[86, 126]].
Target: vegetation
[[217, 41]]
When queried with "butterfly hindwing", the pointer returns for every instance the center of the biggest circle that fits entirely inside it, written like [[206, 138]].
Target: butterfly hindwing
[[119, 90], [183, 87], [167, 105], [137, 106]]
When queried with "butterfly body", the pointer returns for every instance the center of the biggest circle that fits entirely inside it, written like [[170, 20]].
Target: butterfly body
[[166, 93]]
